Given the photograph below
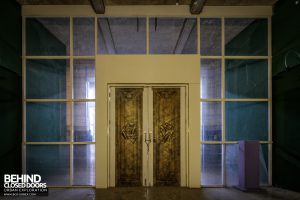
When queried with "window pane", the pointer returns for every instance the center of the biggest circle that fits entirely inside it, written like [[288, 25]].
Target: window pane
[[52, 162], [47, 79], [211, 121], [47, 36], [84, 79], [122, 35], [263, 161], [84, 121], [173, 35], [211, 164], [210, 37], [84, 164], [246, 37], [246, 121], [232, 159], [246, 79], [48, 122], [83, 36], [211, 73]]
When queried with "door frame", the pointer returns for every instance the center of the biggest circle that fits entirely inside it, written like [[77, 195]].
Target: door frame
[[184, 108]]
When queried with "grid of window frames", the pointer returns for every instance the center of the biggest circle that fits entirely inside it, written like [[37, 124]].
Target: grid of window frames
[[59, 99], [235, 98], [59, 88]]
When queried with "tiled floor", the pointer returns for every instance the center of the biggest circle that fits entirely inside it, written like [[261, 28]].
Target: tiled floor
[[165, 193]]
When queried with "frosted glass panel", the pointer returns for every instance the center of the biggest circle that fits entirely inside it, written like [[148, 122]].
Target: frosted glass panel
[[84, 79], [173, 35], [83, 36], [120, 35], [84, 121], [263, 164], [52, 162], [210, 37], [211, 164], [211, 121], [246, 121], [47, 36], [84, 164], [246, 78], [246, 37], [210, 78], [47, 122], [232, 159], [47, 79]]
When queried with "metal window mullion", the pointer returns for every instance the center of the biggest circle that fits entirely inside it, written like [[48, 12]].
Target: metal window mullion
[[60, 100], [200, 106], [46, 57], [57, 143], [71, 97], [57, 57], [96, 52], [228, 100], [270, 97], [236, 57], [223, 97]]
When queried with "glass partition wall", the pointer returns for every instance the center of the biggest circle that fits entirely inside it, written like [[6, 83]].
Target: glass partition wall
[[59, 88], [235, 96], [59, 100]]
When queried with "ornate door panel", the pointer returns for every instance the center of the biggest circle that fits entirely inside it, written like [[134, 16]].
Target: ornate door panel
[[129, 124], [166, 140]]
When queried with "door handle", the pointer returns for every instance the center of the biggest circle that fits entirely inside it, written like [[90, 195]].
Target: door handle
[[147, 139]]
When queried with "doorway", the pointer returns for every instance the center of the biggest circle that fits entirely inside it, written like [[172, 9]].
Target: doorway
[[147, 135]]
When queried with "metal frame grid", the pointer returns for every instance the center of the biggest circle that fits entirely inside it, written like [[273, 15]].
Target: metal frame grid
[[223, 57], [223, 100], [69, 100]]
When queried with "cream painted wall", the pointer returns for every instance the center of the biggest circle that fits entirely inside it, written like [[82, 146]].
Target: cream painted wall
[[163, 69]]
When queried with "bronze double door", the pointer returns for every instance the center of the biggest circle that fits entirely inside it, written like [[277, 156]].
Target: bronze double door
[[147, 133]]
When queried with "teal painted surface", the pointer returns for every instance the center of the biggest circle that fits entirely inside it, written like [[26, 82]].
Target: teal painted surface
[[10, 88], [286, 95]]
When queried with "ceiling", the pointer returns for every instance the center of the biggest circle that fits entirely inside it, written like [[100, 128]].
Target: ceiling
[[150, 2]]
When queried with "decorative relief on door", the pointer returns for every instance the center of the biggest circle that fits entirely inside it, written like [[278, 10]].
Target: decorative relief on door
[[166, 126], [129, 132], [166, 132], [129, 119]]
